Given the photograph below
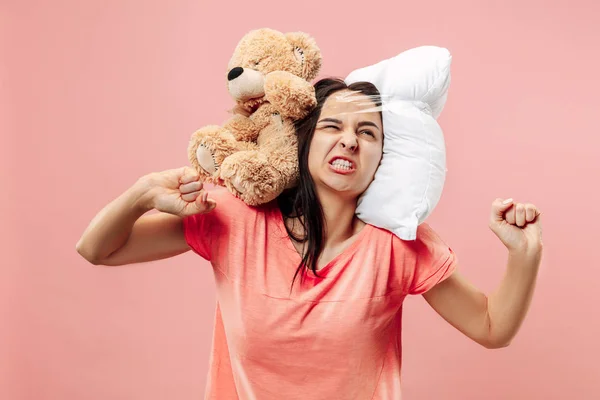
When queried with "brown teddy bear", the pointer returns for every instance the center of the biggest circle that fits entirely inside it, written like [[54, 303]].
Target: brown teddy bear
[[254, 154]]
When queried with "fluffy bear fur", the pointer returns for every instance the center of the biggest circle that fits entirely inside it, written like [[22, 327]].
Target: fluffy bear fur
[[254, 154]]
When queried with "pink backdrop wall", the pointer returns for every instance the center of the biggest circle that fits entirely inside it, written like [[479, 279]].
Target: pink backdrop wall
[[94, 94]]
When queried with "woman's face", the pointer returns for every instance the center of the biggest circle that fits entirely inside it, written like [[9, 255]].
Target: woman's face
[[347, 144]]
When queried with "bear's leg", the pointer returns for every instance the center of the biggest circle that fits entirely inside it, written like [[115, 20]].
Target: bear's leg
[[283, 156], [208, 148], [250, 176]]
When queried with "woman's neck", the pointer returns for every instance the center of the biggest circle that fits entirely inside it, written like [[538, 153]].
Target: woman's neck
[[340, 218]]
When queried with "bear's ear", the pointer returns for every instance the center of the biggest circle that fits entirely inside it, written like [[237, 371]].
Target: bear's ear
[[306, 48]]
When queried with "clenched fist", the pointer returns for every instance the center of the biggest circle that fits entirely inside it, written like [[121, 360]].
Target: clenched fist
[[517, 225], [176, 191]]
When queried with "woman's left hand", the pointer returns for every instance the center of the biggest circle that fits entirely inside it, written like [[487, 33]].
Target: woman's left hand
[[517, 225]]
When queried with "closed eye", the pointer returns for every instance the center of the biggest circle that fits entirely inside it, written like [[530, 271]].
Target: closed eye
[[337, 128], [368, 132]]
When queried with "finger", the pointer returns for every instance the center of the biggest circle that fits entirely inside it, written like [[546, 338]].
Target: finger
[[204, 204], [190, 197], [194, 186], [499, 208], [531, 212], [189, 178], [190, 175], [537, 221], [520, 215], [535, 227], [511, 216], [181, 171]]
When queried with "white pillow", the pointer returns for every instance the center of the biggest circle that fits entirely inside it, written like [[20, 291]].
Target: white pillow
[[409, 181]]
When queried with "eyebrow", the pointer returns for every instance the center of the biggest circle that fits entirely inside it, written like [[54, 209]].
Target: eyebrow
[[335, 121], [369, 123], [362, 123]]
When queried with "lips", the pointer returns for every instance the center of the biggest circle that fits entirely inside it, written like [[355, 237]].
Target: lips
[[341, 158]]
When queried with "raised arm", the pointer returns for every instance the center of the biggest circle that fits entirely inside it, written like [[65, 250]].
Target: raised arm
[[494, 320], [121, 234]]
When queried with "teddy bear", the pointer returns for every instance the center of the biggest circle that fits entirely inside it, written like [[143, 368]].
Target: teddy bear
[[254, 153]]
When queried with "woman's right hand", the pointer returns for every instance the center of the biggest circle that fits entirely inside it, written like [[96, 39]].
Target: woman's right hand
[[175, 191]]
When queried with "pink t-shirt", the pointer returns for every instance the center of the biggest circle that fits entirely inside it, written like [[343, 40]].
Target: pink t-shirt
[[333, 337]]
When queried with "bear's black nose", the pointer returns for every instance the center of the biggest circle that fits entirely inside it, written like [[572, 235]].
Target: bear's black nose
[[234, 73]]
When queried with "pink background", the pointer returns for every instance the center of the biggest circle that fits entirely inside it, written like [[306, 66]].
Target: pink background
[[94, 94]]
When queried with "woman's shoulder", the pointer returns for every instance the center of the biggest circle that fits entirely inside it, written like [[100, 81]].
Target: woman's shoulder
[[232, 209], [219, 193], [231, 215], [427, 251], [226, 199], [425, 235]]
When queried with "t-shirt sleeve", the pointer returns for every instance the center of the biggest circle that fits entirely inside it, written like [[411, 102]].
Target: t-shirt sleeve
[[427, 261], [203, 232]]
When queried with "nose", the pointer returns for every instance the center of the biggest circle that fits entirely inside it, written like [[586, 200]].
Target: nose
[[234, 73], [348, 142]]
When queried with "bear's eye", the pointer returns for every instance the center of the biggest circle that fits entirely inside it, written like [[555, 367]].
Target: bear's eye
[[256, 63]]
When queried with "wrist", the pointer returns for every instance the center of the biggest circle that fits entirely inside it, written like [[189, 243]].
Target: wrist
[[531, 255], [141, 194]]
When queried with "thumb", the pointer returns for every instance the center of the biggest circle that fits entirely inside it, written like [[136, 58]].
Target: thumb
[[499, 207], [203, 204]]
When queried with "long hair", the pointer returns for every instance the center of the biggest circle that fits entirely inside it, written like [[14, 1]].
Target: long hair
[[302, 202]]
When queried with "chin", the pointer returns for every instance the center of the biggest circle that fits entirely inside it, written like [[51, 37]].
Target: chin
[[343, 189], [343, 185]]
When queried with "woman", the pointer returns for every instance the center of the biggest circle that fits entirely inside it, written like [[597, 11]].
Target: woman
[[335, 333]]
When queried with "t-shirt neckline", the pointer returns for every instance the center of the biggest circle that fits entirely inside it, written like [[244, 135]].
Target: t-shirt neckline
[[327, 269]]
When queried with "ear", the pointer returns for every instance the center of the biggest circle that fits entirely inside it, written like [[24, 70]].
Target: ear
[[310, 52]]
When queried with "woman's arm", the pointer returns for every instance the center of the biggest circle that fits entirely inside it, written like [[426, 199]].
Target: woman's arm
[[494, 320], [121, 234]]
